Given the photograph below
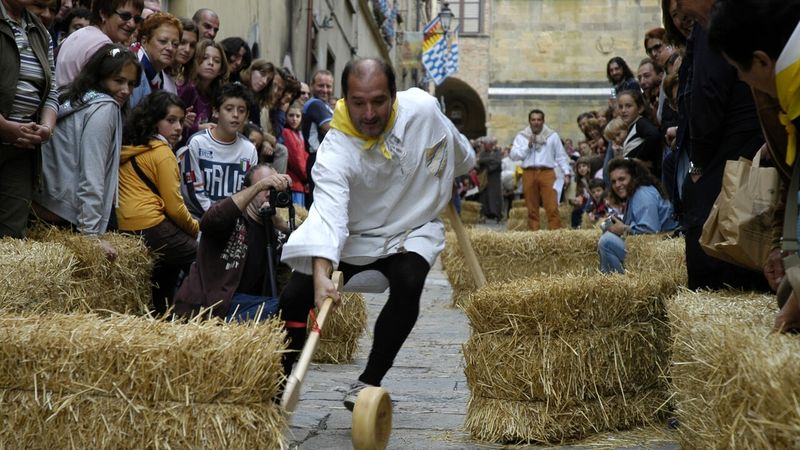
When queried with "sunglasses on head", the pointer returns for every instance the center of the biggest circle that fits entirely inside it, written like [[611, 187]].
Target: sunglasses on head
[[126, 16]]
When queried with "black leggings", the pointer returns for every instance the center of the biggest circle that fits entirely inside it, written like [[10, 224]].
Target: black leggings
[[406, 273]]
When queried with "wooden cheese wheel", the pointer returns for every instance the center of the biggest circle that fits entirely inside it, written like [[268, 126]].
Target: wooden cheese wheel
[[372, 419]]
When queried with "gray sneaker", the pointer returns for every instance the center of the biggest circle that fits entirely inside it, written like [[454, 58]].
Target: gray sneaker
[[352, 394]]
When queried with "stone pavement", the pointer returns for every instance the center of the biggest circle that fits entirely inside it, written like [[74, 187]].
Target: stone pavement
[[427, 385]]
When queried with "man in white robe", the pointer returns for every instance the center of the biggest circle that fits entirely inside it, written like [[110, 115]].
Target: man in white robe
[[384, 173]]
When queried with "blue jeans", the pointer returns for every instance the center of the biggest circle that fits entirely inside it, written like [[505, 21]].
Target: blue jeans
[[299, 198], [246, 307], [612, 253]]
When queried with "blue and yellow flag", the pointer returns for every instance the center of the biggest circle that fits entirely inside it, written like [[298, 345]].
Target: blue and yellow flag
[[439, 52]]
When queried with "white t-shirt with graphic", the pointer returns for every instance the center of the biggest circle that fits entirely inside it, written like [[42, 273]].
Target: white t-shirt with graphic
[[212, 170]]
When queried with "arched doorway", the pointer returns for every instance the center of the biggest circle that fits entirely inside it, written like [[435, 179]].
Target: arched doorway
[[463, 106]]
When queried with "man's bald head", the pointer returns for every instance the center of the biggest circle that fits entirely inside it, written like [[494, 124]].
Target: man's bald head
[[207, 22], [368, 68], [369, 92]]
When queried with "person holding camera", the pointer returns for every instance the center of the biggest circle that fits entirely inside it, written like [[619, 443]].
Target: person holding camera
[[228, 274], [646, 211]]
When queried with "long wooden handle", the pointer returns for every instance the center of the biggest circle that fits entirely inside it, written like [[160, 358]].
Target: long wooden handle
[[291, 394], [466, 246]]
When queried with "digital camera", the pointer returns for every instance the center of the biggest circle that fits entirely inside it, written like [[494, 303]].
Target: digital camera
[[280, 199], [612, 213], [605, 224]]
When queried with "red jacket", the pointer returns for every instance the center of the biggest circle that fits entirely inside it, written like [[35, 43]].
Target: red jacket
[[296, 165]]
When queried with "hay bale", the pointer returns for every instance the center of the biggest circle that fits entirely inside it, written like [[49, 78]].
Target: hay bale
[[468, 205], [47, 419], [508, 255], [518, 217], [568, 303], [300, 214], [470, 213], [587, 223], [518, 203], [131, 382], [657, 253], [735, 384], [508, 422], [565, 368], [122, 286], [38, 276], [343, 328]]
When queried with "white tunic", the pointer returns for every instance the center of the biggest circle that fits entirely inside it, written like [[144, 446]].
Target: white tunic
[[366, 206]]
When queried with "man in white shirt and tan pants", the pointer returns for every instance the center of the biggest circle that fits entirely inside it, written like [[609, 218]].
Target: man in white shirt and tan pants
[[540, 150]]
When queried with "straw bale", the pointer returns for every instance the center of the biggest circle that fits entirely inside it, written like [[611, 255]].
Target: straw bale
[[565, 303], [468, 205], [37, 276], [560, 369], [735, 384], [300, 214], [470, 213], [508, 421], [508, 255], [49, 419], [119, 286], [657, 253], [141, 359], [343, 328], [587, 223], [518, 217], [518, 203]]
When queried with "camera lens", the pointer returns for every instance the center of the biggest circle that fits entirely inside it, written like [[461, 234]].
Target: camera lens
[[283, 199]]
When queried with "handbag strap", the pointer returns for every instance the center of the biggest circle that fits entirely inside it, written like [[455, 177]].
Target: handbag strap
[[789, 241], [149, 183]]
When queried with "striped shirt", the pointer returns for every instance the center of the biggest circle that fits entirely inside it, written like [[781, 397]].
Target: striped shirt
[[31, 76]]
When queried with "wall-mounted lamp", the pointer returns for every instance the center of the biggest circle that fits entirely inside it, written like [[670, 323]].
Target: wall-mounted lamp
[[326, 23], [446, 16]]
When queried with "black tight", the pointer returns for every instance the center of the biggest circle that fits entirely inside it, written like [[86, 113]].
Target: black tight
[[406, 273]]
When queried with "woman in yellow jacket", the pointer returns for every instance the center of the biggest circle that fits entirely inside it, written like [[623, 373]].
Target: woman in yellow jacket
[[150, 202]]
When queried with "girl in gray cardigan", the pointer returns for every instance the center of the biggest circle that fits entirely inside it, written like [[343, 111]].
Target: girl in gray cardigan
[[80, 164]]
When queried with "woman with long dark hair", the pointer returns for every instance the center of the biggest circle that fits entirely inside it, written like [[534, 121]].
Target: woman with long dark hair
[[646, 211], [238, 55], [80, 164], [643, 140]]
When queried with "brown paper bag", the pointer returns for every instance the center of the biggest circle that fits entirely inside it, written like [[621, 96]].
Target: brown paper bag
[[739, 228]]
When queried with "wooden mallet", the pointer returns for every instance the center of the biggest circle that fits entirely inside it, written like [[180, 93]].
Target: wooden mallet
[[291, 395]]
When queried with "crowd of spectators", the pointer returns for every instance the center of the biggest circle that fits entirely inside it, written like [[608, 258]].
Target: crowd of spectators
[[144, 120]]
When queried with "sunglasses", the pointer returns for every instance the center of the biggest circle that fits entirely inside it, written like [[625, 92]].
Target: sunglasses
[[126, 16], [655, 49]]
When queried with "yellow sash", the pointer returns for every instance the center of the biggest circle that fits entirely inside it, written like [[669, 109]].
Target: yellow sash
[[341, 121], [787, 79]]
